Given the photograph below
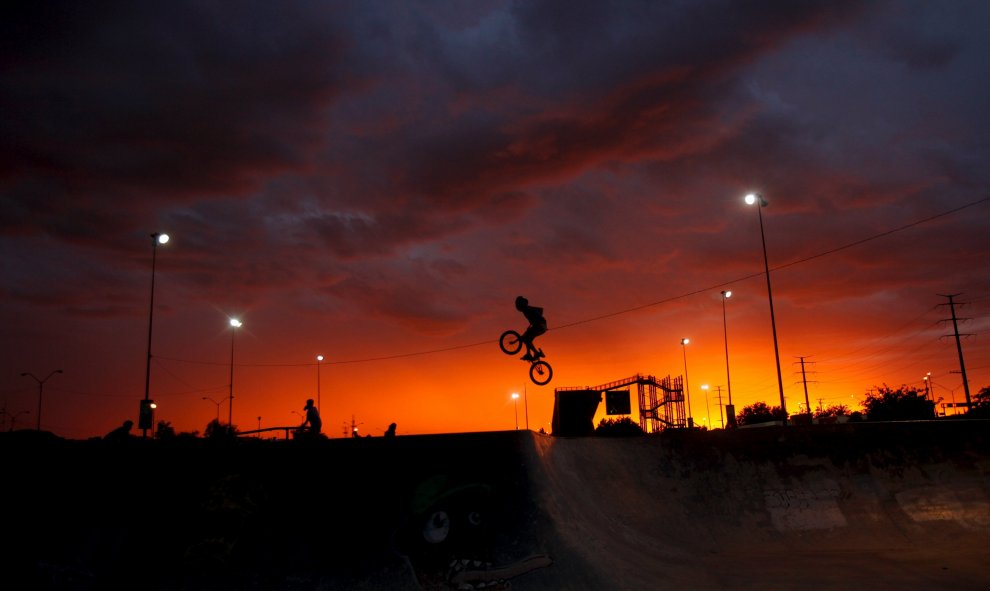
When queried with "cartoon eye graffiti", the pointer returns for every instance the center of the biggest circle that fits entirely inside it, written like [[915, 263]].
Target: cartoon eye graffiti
[[437, 527], [475, 518], [446, 538]]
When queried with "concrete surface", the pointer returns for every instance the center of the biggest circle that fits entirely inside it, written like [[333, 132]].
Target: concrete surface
[[889, 506]]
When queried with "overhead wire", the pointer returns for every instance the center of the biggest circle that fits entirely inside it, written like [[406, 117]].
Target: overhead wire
[[638, 308], [192, 389]]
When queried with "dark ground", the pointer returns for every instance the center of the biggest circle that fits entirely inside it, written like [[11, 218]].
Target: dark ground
[[816, 507]]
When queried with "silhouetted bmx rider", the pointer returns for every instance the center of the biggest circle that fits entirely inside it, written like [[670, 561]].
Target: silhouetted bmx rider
[[511, 342], [313, 421], [537, 326]]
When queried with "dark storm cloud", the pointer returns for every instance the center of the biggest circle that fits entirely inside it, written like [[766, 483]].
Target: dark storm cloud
[[924, 35], [652, 79], [137, 105], [39, 273], [348, 235], [141, 105], [417, 296], [285, 142]]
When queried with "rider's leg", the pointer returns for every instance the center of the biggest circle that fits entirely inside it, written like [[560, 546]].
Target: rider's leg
[[532, 353], [527, 340]]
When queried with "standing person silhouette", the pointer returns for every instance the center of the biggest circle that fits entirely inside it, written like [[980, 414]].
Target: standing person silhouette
[[312, 418], [537, 326]]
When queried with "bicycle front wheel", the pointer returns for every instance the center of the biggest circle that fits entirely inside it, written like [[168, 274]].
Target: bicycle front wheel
[[510, 342], [541, 373]]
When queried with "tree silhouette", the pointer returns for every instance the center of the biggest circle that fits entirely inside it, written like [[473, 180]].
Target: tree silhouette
[[623, 427], [760, 412], [981, 405], [217, 430], [902, 404], [833, 410], [164, 431]]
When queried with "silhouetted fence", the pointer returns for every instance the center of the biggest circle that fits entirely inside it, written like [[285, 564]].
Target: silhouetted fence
[[287, 430]]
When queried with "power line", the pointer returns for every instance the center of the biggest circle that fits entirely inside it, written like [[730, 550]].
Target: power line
[[883, 234], [618, 312]]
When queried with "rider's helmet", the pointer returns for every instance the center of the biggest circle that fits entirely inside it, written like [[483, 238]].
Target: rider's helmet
[[521, 302], [309, 403]]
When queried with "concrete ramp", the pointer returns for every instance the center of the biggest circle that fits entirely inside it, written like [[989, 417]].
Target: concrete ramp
[[890, 506]]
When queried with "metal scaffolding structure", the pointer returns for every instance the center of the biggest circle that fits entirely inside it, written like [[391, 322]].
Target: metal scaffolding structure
[[661, 402]]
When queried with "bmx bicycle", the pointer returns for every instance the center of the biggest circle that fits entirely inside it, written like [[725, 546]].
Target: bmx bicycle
[[539, 370]]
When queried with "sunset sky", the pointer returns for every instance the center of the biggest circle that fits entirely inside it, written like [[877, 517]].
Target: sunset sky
[[377, 181]]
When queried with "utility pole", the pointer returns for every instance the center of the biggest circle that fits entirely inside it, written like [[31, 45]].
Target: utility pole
[[955, 330], [354, 427], [804, 380], [721, 416]]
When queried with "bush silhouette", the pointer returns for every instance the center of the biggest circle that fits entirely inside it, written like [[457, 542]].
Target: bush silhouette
[[623, 427]]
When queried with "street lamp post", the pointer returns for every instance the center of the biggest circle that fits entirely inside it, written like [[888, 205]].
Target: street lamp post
[[156, 239], [708, 408], [526, 406], [41, 386], [319, 401], [234, 325], [687, 389], [218, 406], [730, 410], [755, 198], [515, 402]]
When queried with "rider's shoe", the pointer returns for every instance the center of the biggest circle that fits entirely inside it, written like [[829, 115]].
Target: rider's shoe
[[527, 357]]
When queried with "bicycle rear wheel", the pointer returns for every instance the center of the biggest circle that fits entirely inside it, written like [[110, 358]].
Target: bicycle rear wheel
[[541, 373], [510, 342]]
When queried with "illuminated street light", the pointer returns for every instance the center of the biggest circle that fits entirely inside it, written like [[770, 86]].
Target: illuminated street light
[[751, 199], [319, 401], [730, 409], [156, 239], [708, 408], [41, 386], [234, 325], [515, 401], [928, 389], [687, 389]]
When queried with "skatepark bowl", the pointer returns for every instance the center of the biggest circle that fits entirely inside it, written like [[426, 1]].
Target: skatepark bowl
[[902, 506]]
